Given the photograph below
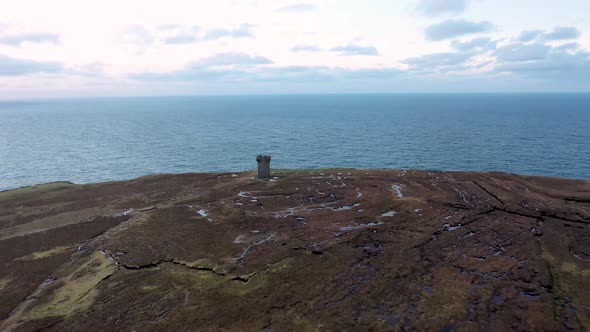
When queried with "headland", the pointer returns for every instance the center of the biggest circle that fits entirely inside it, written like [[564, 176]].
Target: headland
[[330, 249]]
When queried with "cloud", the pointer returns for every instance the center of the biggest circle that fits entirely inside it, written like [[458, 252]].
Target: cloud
[[16, 67], [562, 33], [232, 59], [558, 33], [351, 49], [455, 28], [178, 34], [529, 35], [556, 65], [568, 46], [243, 31], [140, 38], [94, 69], [246, 78], [438, 60], [136, 39], [441, 7], [306, 48], [221, 66], [522, 52], [478, 44], [297, 8], [19, 39]]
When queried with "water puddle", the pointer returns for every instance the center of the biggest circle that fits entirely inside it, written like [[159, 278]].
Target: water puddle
[[529, 295], [360, 226], [398, 190], [449, 228], [389, 214]]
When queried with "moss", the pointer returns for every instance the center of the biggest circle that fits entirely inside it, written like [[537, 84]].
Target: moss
[[77, 291], [279, 266], [26, 192], [303, 324], [44, 254], [204, 263], [256, 281], [4, 282], [149, 288], [449, 298], [204, 280], [559, 288], [574, 284], [572, 268]]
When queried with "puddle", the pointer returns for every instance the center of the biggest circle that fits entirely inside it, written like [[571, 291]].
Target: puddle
[[128, 212], [498, 299], [398, 190], [529, 295], [449, 228], [462, 195], [389, 214], [343, 208], [352, 228]]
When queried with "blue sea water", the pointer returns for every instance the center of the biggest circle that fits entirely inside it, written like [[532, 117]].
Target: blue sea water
[[93, 140]]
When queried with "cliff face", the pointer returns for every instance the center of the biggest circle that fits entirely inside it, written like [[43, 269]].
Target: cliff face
[[333, 249]]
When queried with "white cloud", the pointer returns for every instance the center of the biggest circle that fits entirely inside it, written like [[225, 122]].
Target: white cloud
[[478, 44], [441, 7], [455, 28], [16, 67], [297, 8], [306, 48], [522, 52], [353, 49]]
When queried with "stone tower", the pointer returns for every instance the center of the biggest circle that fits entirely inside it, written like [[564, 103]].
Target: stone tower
[[263, 167]]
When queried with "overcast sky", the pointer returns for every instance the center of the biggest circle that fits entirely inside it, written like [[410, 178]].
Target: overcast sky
[[71, 48]]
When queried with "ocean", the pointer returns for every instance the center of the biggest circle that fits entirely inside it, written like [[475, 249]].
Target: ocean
[[94, 140]]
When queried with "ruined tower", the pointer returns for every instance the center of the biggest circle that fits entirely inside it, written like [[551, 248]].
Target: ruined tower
[[263, 167]]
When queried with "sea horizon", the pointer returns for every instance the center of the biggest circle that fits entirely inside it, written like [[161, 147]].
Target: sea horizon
[[66, 98]]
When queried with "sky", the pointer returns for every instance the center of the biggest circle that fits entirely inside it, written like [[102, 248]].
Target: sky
[[83, 48]]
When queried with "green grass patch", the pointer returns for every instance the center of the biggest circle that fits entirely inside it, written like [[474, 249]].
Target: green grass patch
[[4, 282], [43, 254], [27, 192], [77, 291]]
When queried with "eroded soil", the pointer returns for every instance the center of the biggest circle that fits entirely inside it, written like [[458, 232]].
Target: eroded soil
[[307, 250]]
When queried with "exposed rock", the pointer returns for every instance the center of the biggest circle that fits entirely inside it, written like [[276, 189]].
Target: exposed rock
[[328, 250]]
